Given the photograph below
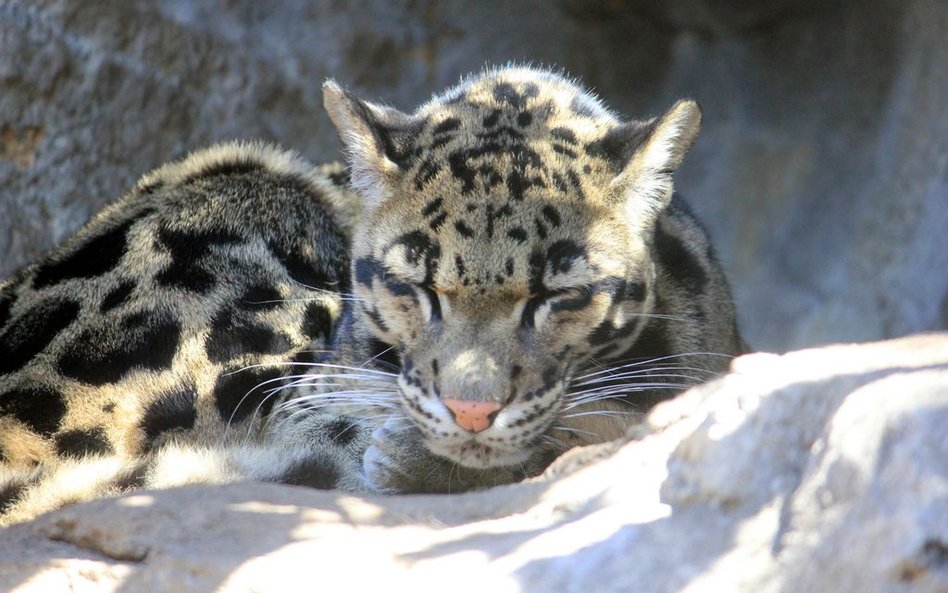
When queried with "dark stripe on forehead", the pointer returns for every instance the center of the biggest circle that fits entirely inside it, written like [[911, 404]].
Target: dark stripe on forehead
[[563, 135], [505, 92], [432, 207], [448, 125], [551, 215], [437, 221], [426, 172], [463, 230]]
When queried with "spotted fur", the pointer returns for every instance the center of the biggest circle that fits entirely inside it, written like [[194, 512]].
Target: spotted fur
[[512, 276]]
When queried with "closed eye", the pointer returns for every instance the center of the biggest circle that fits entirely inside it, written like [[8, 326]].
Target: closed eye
[[528, 318], [429, 296]]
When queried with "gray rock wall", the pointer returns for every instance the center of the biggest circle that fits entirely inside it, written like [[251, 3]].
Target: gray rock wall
[[822, 171]]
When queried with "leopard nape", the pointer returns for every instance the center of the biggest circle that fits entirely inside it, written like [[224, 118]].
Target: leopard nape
[[510, 276]]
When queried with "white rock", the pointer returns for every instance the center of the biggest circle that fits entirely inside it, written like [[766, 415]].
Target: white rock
[[820, 470]]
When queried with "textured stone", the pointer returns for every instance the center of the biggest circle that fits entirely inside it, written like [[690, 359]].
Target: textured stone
[[821, 470], [822, 170]]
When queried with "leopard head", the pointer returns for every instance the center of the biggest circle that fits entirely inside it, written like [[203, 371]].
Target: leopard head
[[504, 245]]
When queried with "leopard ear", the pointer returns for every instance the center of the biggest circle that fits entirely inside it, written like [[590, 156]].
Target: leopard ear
[[647, 154], [379, 141]]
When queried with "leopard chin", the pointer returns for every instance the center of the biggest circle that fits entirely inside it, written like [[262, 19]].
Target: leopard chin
[[473, 453]]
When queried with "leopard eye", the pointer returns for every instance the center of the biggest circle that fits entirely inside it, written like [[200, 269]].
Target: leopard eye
[[430, 303], [538, 307], [528, 318]]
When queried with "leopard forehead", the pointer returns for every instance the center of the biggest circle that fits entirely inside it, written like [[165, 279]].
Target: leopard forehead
[[505, 164], [508, 133]]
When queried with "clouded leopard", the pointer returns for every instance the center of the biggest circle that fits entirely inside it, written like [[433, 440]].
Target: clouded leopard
[[498, 276]]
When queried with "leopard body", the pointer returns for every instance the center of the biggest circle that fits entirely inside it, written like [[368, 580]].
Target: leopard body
[[499, 276]]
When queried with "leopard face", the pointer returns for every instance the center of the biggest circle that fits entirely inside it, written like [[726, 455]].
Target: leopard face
[[504, 247]]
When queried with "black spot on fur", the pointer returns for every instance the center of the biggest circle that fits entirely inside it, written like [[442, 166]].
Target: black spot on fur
[[509, 266], [506, 142], [243, 392], [432, 207], [560, 182], [30, 333], [535, 268], [506, 93], [151, 188], [230, 338], [517, 234], [317, 322], [540, 228], [226, 168], [260, 297], [426, 172], [448, 125], [459, 265], [40, 408], [131, 478], [461, 169], [517, 184], [342, 431], [367, 269], [607, 332], [620, 143], [319, 471], [185, 275], [634, 291], [170, 411], [10, 494], [437, 221], [524, 118], [384, 354], [683, 266], [420, 249], [339, 178], [563, 135], [302, 268], [463, 229], [491, 119], [551, 215], [187, 248], [117, 296], [93, 258], [562, 254], [575, 185], [79, 443], [375, 318], [106, 352], [564, 151]]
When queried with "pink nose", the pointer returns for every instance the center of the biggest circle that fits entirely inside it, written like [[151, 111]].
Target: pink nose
[[471, 415]]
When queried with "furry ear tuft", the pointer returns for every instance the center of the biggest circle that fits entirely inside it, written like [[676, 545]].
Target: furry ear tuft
[[646, 155], [378, 141]]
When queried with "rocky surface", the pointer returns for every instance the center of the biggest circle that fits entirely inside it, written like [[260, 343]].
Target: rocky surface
[[822, 470], [822, 170]]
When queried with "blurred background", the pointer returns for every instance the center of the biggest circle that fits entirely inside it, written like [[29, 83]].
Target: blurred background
[[821, 171]]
